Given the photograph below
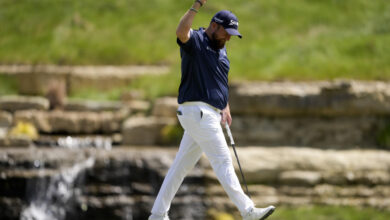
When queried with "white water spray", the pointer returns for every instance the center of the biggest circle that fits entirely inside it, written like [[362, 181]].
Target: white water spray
[[51, 201]]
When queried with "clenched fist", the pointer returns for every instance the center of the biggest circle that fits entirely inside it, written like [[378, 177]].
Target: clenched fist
[[201, 1]]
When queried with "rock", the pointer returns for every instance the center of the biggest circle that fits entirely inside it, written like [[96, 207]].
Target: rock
[[10, 208], [144, 130], [122, 182], [93, 106], [20, 141], [132, 95], [345, 98], [74, 122], [5, 119], [17, 103], [3, 133], [335, 132], [165, 107], [56, 94], [138, 106], [35, 80], [300, 178], [337, 88], [284, 165], [334, 114]]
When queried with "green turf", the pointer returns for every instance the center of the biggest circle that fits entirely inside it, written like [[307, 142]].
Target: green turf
[[328, 213], [8, 85], [296, 40]]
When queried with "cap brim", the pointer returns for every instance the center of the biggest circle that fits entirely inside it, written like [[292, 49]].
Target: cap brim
[[233, 32]]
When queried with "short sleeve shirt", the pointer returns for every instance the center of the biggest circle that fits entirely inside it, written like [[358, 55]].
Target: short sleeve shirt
[[204, 71]]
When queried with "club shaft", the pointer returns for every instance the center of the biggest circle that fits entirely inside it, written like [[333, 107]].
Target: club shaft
[[242, 174], [235, 153]]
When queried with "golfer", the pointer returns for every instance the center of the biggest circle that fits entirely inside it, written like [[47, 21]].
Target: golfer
[[203, 106]]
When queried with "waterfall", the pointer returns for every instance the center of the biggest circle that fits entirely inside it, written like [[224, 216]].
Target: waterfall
[[77, 143], [51, 197]]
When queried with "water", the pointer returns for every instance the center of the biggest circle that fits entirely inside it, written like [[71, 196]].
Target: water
[[87, 142], [52, 198], [57, 196]]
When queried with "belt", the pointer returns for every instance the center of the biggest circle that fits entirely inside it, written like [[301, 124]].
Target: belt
[[201, 103]]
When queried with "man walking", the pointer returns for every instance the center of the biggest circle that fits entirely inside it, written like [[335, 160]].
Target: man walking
[[203, 106]]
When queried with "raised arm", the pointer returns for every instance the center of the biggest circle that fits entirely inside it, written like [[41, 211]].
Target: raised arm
[[183, 30]]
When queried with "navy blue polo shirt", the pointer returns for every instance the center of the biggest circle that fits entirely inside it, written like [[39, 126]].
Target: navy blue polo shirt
[[204, 71]]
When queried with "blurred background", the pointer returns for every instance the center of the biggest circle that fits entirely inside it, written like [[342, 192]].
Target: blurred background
[[88, 101]]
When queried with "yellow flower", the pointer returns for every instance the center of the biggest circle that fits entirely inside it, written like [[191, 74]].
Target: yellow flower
[[25, 129]]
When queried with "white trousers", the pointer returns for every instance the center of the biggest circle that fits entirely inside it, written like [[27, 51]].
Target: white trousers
[[202, 133]]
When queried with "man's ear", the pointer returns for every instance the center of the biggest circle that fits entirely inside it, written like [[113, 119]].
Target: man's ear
[[214, 26]]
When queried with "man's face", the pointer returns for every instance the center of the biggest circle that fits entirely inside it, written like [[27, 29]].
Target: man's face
[[219, 37]]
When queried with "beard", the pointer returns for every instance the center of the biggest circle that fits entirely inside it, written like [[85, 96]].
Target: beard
[[216, 43]]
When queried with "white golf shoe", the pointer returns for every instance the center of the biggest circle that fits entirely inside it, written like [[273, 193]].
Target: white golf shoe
[[258, 213], [157, 217]]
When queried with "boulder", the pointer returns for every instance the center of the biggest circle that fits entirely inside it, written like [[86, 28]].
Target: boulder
[[300, 178], [165, 107], [324, 114], [3, 132], [145, 130], [20, 141], [5, 119], [320, 132], [92, 106], [138, 106], [17, 103], [292, 166], [74, 122], [36, 80], [339, 98], [132, 95], [122, 182]]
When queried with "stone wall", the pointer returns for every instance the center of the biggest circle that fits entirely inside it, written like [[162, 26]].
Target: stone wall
[[123, 182], [340, 114], [299, 144], [36, 80]]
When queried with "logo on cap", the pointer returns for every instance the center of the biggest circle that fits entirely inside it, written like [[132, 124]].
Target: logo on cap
[[228, 20], [218, 20], [233, 22]]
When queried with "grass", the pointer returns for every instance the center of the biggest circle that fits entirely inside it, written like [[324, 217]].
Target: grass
[[87, 32], [8, 85], [383, 136], [316, 212], [328, 213], [295, 40], [283, 40]]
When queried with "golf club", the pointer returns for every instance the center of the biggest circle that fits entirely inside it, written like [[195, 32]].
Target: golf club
[[229, 133]]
